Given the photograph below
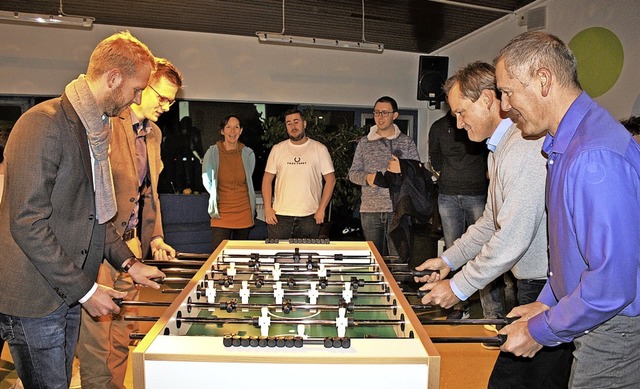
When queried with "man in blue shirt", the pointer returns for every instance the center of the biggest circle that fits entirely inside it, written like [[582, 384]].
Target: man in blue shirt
[[511, 235], [593, 203]]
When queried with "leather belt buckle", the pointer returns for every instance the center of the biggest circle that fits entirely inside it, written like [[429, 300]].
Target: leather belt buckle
[[129, 234]]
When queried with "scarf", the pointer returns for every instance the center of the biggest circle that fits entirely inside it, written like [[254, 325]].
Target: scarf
[[99, 134]]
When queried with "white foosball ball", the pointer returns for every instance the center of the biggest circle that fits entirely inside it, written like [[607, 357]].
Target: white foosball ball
[[288, 315]]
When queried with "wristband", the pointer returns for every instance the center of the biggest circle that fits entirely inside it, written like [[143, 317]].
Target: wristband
[[128, 263]]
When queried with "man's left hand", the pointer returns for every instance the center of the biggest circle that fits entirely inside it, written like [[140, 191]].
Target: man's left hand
[[441, 294], [143, 274], [519, 341], [394, 165], [162, 251], [319, 216]]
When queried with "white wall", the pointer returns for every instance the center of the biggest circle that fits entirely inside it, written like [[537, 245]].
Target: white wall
[[41, 60], [565, 18]]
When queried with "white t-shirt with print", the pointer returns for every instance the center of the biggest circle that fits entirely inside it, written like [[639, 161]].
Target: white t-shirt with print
[[298, 170]]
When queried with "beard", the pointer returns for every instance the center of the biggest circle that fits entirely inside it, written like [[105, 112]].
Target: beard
[[114, 103], [298, 137]]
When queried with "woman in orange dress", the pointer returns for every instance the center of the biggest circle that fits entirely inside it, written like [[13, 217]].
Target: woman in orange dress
[[227, 168]]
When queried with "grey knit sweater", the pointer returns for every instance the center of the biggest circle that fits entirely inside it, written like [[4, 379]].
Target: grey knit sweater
[[372, 155], [512, 232]]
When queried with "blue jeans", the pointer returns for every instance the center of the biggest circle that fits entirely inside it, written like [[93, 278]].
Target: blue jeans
[[492, 300], [457, 213], [294, 227], [375, 227], [43, 347]]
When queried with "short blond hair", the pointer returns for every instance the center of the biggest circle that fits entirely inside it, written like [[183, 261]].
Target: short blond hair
[[164, 68], [472, 80], [122, 51]]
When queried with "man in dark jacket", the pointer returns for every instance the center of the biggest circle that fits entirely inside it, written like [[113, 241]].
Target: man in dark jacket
[[54, 219]]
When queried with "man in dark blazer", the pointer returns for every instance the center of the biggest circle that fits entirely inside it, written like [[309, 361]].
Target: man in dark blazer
[[54, 219], [103, 347]]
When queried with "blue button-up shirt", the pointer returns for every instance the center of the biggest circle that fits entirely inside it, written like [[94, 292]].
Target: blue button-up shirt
[[593, 204]]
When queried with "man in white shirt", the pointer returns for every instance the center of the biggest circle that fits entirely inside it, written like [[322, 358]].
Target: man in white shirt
[[298, 165]]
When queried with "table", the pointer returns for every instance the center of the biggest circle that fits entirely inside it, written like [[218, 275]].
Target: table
[[288, 315]]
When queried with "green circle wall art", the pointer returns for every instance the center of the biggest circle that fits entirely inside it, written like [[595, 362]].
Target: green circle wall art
[[600, 57]]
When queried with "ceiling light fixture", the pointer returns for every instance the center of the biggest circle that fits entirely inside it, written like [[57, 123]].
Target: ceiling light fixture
[[282, 38], [61, 19], [472, 6]]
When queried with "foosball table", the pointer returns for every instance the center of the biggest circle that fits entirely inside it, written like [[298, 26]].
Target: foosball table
[[288, 315]]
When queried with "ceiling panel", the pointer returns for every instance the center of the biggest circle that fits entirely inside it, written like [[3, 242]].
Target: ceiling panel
[[421, 26]]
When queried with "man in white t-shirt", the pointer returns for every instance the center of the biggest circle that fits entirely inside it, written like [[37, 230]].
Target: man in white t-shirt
[[299, 164]]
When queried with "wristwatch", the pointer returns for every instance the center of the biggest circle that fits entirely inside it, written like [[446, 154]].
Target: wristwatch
[[128, 263]]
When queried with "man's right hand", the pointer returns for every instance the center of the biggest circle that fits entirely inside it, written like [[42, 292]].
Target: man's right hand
[[101, 302], [433, 264], [145, 275], [371, 177]]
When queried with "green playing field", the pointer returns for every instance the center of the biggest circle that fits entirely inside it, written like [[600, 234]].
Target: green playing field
[[373, 296]]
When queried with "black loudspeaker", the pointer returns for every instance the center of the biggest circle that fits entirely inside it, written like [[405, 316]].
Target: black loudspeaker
[[432, 74]]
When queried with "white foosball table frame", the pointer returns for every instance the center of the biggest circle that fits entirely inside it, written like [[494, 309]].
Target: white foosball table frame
[[177, 361]]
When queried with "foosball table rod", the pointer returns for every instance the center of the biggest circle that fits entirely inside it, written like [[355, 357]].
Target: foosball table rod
[[286, 307], [489, 340], [495, 322], [193, 256], [241, 341], [254, 321], [292, 282]]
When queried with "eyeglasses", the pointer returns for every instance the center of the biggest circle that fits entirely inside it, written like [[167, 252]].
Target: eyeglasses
[[161, 99], [384, 114]]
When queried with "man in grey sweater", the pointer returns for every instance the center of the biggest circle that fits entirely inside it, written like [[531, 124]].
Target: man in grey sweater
[[378, 152], [511, 235]]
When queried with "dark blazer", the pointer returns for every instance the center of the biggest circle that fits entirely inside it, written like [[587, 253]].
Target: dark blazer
[[51, 244], [125, 178]]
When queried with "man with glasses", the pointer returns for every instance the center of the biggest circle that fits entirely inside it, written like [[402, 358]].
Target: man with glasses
[[135, 159], [378, 152], [55, 216]]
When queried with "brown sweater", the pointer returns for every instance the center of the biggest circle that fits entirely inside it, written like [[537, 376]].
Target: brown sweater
[[233, 195]]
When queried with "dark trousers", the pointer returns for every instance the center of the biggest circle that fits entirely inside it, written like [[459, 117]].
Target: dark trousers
[[548, 369], [294, 227], [220, 233]]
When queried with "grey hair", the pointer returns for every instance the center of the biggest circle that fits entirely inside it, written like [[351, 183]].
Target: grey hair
[[530, 51]]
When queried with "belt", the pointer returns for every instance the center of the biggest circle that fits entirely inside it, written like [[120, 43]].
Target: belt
[[129, 234]]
